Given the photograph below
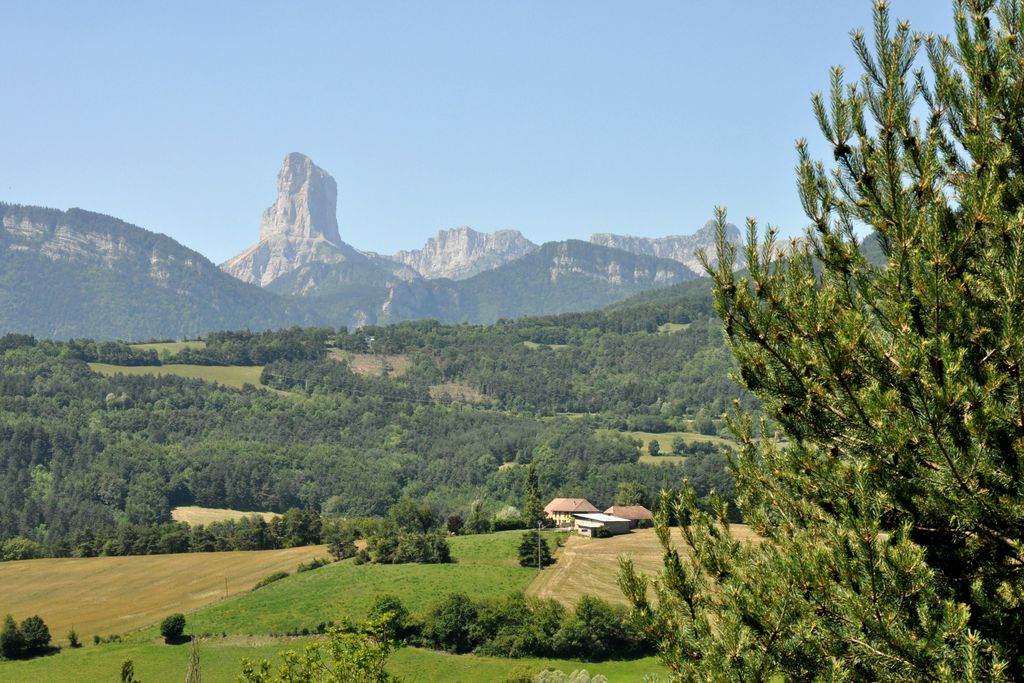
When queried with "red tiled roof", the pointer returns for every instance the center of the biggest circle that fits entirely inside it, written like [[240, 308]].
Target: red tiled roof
[[569, 505], [633, 512]]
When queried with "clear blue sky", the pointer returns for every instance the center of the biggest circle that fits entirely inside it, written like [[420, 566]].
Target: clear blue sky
[[555, 118]]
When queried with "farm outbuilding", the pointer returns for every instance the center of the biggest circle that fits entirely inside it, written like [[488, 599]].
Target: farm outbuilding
[[561, 510], [588, 523], [638, 515]]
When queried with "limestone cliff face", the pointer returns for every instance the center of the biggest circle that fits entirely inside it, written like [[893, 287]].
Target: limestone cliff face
[[463, 252], [300, 227], [681, 248]]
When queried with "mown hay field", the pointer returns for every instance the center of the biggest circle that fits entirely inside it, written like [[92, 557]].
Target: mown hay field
[[229, 375], [194, 515], [590, 566], [114, 595], [171, 347]]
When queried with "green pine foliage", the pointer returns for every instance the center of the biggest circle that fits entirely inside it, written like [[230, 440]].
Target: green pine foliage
[[892, 512], [534, 550]]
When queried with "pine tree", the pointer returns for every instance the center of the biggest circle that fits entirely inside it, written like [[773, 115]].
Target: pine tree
[[533, 508], [892, 514], [12, 643], [534, 550]]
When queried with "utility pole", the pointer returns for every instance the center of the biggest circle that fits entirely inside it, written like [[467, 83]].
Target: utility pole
[[538, 546]]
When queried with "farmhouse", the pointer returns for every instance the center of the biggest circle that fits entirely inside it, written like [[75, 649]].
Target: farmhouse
[[637, 515], [561, 510], [588, 523]]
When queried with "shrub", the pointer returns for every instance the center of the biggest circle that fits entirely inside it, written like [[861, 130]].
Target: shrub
[[449, 625], [509, 524], [315, 563], [173, 627], [73, 641], [270, 578], [392, 615]]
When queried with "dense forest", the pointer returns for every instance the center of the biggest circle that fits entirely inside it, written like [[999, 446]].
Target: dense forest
[[84, 451]]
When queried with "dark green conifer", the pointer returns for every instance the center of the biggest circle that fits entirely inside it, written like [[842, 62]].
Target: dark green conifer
[[892, 512]]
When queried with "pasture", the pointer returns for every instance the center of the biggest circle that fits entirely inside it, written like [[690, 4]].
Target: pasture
[[229, 375], [114, 595], [590, 566], [665, 440], [485, 565], [220, 659], [194, 515]]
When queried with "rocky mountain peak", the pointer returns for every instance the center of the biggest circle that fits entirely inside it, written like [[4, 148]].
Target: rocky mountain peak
[[681, 248], [462, 252], [307, 202], [300, 227]]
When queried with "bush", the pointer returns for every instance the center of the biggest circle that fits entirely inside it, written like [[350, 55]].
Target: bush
[[509, 524], [392, 615], [397, 547], [73, 641], [450, 624], [315, 563], [270, 578], [18, 548], [172, 628]]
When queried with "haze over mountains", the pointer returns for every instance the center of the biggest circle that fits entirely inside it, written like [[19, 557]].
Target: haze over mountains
[[78, 273]]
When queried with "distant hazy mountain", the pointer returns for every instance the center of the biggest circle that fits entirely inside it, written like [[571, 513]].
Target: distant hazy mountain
[[556, 278], [681, 248], [78, 273], [463, 252]]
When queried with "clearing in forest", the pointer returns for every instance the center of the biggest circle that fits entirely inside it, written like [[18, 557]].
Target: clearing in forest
[[114, 595], [193, 514], [373, 364], [171, 347], [229, 375]]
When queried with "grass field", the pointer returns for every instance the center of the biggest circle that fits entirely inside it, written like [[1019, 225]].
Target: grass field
[[669, 328], [485, 565], [590, 566], [193, 514], [230, 375], [171, 347], [220, 659], [113, 595]]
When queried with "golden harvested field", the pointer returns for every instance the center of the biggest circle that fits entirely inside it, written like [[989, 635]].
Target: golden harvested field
[[371, 363], [229, 375], [171, 347], [108, 595], [193, 514], [590, 566]]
